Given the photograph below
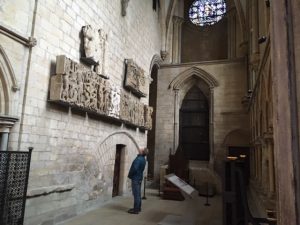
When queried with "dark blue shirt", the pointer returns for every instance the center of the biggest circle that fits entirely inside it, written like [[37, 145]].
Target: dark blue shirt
[[137, 168]]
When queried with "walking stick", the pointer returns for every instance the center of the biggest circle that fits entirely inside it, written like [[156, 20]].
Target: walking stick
[[207, 204], [144, 197]]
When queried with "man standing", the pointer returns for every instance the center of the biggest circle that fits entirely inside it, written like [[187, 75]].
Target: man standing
[[136, 176]]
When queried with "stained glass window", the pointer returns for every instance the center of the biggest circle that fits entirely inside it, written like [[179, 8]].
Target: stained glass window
[[207, 12]]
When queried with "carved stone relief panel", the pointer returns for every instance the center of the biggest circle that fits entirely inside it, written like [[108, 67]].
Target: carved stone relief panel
[[148, 117], [95, 47], [135, 79], [114, 109], [132, 110], [124, 107], [77, 85]]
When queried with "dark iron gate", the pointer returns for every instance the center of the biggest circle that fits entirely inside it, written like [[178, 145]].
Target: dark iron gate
[[14, 172]]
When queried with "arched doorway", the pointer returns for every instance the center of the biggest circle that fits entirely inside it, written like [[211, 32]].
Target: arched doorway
[[152, 102], [194, 125], [118, 167]]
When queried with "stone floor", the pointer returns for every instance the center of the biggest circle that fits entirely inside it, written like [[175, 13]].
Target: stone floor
[[154, 210]]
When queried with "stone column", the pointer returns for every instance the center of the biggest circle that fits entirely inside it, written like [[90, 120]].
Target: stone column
[[176, 121], [256, 164], [231, 34], [4, 141], [285, 108], [271, 171], [265, 161], [176, 48], [254, 28], [254, 58], [260, 162], [211, 128], [251, 164]]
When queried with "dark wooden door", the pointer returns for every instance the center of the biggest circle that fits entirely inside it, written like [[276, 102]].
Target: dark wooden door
[[194, 125], [242, 153], [116, 178]]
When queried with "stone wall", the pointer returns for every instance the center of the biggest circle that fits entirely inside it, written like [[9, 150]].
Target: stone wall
[[206, 40], [223, 40], [73, 157], [228, 111]]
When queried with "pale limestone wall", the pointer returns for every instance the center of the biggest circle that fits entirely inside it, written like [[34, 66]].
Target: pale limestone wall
[[73, 158], [229, 113]]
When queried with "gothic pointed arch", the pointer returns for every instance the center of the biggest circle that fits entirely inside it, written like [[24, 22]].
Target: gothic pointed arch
[[181, 84], [194, 125], [8, 83], [156, 61], [181, 78], [154, 67], [237, 137]]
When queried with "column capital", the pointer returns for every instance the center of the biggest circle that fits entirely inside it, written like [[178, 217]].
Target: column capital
[[7, 122]]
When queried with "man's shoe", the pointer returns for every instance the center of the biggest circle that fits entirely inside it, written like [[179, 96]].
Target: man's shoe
[[132, 211]]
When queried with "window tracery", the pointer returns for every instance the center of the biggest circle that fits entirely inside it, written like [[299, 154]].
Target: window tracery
[[207, 12]]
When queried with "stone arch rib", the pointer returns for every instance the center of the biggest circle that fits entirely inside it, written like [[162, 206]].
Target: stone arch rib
[[7, 70], [8, 83], [120, 132], [240, 135], [156, 60], [181, 78]]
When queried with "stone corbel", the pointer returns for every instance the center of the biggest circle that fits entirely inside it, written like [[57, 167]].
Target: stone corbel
[[28, 42], [124, 4], [32, 41], [163, 55]]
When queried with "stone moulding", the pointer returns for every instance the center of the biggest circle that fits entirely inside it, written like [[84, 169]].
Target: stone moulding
[[43, 191], [78, 86], [7, 121], [135, 79]]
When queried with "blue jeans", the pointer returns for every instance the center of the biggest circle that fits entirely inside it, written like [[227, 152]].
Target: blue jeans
[[136, 191]]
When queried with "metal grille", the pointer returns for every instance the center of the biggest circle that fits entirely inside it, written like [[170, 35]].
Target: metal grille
[[14, 172]]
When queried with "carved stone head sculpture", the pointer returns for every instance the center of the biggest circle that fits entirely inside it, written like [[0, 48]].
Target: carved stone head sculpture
[[89, 41]]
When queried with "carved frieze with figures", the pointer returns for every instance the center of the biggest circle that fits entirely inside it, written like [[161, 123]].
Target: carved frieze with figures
[[79, 86], [148, 110], [135, 79]]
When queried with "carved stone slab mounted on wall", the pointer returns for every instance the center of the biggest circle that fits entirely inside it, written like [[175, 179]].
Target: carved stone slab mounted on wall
[[78, 86], [94, 49], [135, 79]]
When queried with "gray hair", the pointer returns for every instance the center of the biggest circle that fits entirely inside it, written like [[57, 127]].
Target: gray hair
[[145, 151]]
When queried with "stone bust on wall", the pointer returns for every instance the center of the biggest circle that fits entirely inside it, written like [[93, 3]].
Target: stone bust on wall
[[94, 45], [89, 42]]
